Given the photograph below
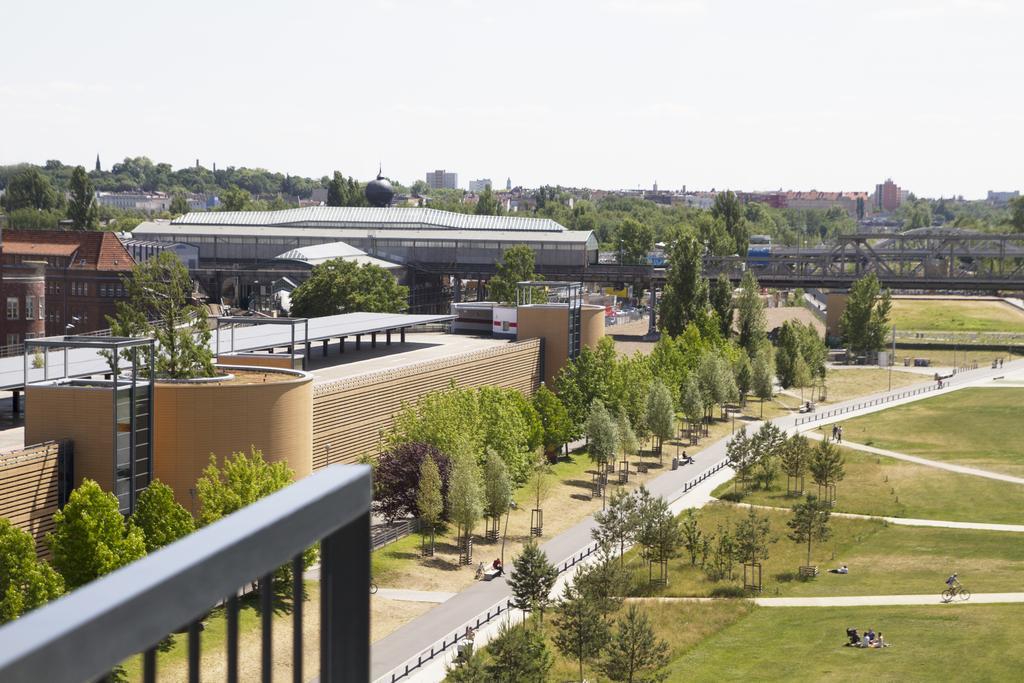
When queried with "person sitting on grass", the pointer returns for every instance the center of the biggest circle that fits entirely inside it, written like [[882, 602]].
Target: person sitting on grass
[[871, 635], [864, 640], [880, 641], [854, 637]]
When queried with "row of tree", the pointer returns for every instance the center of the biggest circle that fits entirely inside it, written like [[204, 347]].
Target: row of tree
[[760, 457]]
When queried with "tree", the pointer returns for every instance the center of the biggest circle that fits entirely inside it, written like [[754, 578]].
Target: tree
[[766, 444], [604, 582], [693, 537], [728, 209], [661, 417], [580, 627], [342, 191], [720, 297], [532, 579], [691, 401], [26, 582], [628, 443], [161, 518], [179, 203], [396, 479], [826, 467], [90, 537], [618, 524], [744, 374], [518, 654], [741, 455], [794, 457], [636, 240], [635, 654], [465, 498], [82, 204], [750, 316], [429, 498], [241, 480], [554, 419], [801, 375], [753, 536], [469, 666], [517, 265], [1017, 213], [809, 523], [234, 198], [865, 321], [160, 290], [602, 435], [586, 378], [497, 489], [723, 554], [763, 374], [509, 426], [659, 533], [340, 286], [787, 352], [685, 296], [30, 189], [487, 204]]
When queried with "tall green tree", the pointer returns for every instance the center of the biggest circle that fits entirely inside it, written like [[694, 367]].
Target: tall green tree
[[750, 316], [429, 500], [342, 191], [487, 204], [555, 421], [743, 371], [240, 480], [865, 321], [809, 523], [602, 435], [827, 466], [636, 239], [618, 524], [82, 204], [586, 378], [532, 579], [661, 417], [728, 209], [518, 654], [497, 487], [720, 297], [580, 627], [517, 265], [465, 496], [763, 375], [90, 537], [1017, 213], [160, 290], [690, 399], [26, 582], [234, 198], [635, 654], [753, 537], [685, 297], [30, 189], [628, 443], [179, 203], [339, 286], [794, 459], [161, 518]]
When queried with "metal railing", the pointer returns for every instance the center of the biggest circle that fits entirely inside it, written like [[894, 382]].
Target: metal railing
[[824, 415], [90, 631], [383, 536]]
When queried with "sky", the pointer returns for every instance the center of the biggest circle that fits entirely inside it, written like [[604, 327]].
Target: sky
[[826, 94]]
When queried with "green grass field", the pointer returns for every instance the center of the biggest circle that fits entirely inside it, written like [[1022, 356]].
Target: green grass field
[[876, 485], [935, 643], [884, 559], [955, 315], [975, 427]]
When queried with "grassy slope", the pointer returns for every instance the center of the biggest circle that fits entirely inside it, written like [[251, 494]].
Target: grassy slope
[[884, 559], [976, 427], [934, 643], [960, 316], [842, 385], [875, 485]]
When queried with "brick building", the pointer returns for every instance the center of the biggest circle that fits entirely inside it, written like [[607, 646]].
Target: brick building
[[80, 286]]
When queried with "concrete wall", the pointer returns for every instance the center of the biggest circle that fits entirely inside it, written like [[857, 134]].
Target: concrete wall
[[550, 323], [835, 305], [195, 420], [350, 415], [30, 489]]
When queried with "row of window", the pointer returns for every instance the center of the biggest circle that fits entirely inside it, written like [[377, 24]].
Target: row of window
[[103, 289], [31, 310]]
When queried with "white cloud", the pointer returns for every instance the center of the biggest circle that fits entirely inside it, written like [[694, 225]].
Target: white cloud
[[656, 7]]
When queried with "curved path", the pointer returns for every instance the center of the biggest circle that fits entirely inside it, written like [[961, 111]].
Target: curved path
[[857, 600], [938, 464], [908, 521]]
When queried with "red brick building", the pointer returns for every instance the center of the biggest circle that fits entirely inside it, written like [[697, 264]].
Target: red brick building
[[83, 272]]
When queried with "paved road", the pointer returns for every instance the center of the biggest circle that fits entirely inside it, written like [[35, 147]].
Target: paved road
[[857, 600], [414, 596], [909, 521], [416, 637], [938, 464]]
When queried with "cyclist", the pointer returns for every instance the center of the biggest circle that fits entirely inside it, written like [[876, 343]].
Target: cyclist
[[953, 583]]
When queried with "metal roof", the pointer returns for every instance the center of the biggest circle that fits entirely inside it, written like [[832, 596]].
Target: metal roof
[[180, 233], [386, 218], [87, 361], [320, 253]]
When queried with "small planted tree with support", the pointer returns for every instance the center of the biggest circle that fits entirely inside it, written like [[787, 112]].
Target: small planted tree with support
[[660, 415], [628, 443], [539, 486], [692, 405], [603, 439], [617, 525], [740, 457], [429, 504], [497, 494], [767, 444], [809, 523], [752, 541], [662, 537], [762, 371], [531, 579], [465, 501], [794, 458], [827, 470]]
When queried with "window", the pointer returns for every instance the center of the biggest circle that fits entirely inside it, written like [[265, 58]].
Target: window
[[12, 340], [12, 308], [42, 310], [30, 307]]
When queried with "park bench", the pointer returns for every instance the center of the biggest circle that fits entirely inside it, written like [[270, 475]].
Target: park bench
[[490, 573]]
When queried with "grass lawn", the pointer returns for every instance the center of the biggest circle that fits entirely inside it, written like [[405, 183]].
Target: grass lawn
[[963, 357], [975, 427], [884, 559], [935, 643], [956, 316], [844, 384], [876, 485]]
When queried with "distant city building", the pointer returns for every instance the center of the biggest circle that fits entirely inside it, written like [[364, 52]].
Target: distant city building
[[319, 195], [135, 201], [442, 180], [888, 196], [1000, 198], [508, 184], [478, 186]]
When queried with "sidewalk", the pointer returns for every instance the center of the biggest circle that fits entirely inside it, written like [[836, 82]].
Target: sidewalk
[[909, 521]]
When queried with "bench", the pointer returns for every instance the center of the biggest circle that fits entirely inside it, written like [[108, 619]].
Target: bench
[[808, 572], [490, 574]]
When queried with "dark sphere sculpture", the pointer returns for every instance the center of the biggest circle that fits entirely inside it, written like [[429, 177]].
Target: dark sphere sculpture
[[379, 192]]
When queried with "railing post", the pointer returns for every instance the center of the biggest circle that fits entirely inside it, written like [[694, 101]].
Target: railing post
[[345, 604]]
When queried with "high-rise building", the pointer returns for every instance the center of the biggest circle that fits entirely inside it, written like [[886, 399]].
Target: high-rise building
[[477, 186], [887, 196], [1000, 198], [508, 183], [442, 180]]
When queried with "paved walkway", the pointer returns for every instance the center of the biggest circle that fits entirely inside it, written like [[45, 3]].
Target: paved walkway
[[909, 521], [414, 596], [419, 635], [856, 600], [938, 464]]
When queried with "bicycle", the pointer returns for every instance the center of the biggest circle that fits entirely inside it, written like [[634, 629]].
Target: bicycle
[[373, 587], [955, 592]]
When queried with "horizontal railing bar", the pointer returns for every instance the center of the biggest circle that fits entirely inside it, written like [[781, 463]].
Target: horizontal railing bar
[[81, 635]]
